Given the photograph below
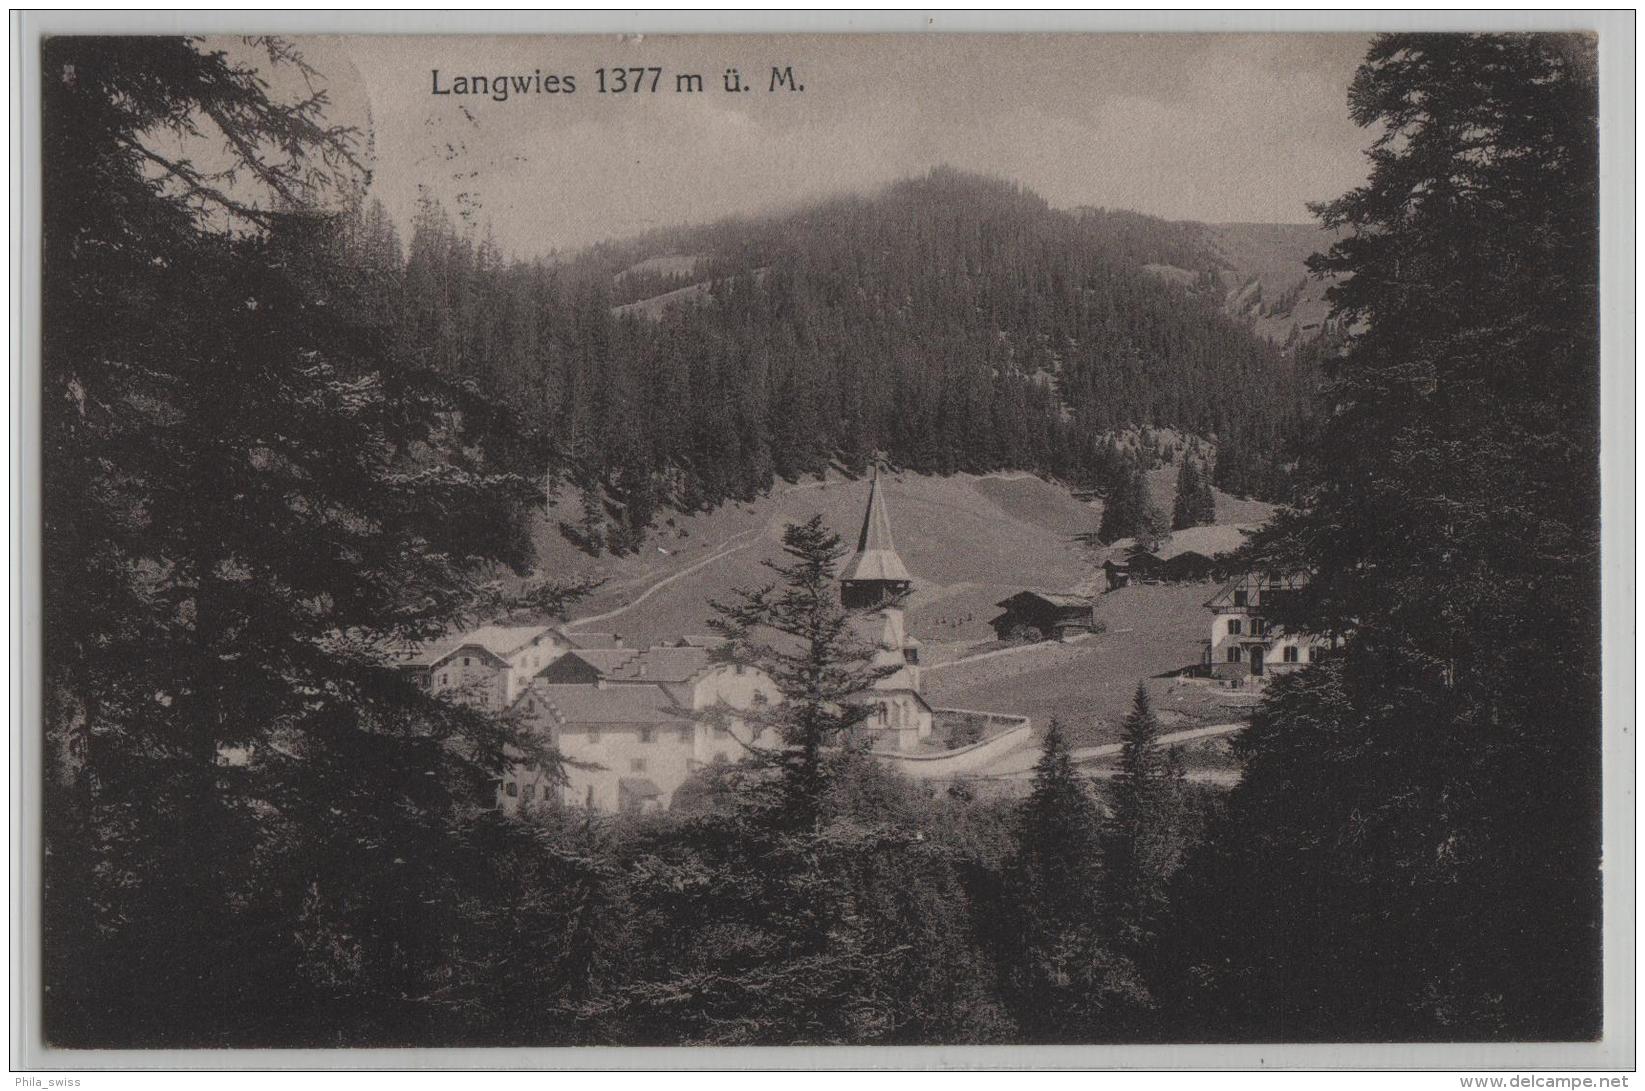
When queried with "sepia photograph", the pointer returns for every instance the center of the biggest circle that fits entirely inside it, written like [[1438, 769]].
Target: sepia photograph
[[838, 539]]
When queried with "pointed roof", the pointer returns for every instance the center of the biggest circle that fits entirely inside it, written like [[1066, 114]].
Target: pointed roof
[[876, 557]]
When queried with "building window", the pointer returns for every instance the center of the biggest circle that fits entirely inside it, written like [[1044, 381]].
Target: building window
[[465, 660], [1258, 626], [647, 734], [1233, 654], [444, 678], [1307, 655], [1240, 598], [512, 789], [636, 765], [1291, 654], [1233, 626]]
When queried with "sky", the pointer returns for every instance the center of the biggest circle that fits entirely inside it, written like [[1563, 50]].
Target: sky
[[1216, 128]]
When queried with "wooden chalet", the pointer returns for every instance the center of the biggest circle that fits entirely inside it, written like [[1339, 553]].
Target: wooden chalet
[[1054, 616]]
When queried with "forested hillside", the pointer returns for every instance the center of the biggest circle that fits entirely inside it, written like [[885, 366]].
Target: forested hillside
[[953, 322], [1256, 273]]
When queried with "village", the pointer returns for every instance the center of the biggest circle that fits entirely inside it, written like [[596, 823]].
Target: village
[[636, 721], [1016, 544]]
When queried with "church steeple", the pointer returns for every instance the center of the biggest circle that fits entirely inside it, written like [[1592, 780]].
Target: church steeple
[[875, 574]]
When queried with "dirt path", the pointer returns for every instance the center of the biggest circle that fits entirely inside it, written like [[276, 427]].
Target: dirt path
[[731, 545], [1043, 645], [726, 548]]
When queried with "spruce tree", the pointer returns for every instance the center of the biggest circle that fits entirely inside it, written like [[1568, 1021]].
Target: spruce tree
[[1144, 840], [1195, 504], [1128, 511], [1062, 982], [1435, 787], [832, 918], [799, 635], [248, 499]]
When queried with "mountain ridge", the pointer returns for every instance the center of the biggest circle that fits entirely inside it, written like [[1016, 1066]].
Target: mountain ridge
[[951, 322]]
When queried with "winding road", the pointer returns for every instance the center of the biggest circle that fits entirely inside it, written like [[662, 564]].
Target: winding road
[[1019, 763]]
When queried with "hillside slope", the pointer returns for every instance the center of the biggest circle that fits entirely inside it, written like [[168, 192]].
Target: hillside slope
[[969, 541]]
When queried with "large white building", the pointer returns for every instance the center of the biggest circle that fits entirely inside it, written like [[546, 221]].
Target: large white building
[[634, 725]]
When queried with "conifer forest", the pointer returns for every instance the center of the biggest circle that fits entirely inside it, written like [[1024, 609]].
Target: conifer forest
[[286, 436]]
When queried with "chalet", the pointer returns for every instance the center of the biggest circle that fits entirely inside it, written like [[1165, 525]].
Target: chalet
[[1244, 643], [1051, 616], [485, 666], [1187, 556]]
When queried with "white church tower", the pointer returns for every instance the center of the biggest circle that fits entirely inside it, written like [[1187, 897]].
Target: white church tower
[[875, 581]]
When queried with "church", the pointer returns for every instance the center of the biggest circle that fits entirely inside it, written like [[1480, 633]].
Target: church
[[876, 582]]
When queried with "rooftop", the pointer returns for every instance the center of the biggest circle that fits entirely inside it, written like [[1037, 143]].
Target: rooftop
[[504, 640], [500, 641], [876, 557], [1208, 541], [570, 704], [663, 664], [594, 640], [1054, 598], [604, 660]]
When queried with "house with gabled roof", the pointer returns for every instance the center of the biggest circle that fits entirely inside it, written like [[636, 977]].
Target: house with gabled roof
[[485, 666], [632, 737], [585, 666], [1245, 644], [1188, 555], [1048, 615]]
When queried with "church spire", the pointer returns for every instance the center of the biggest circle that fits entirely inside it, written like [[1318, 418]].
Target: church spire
[[875, 573]]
